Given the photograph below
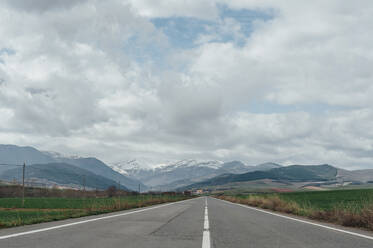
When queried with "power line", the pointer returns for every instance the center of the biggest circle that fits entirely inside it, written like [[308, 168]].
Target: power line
[[23, 184], [13, 164], [23, 179]]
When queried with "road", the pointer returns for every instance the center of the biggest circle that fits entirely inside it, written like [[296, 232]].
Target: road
[[201, 222]]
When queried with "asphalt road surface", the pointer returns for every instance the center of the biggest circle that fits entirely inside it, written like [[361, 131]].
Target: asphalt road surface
[[201, 222]]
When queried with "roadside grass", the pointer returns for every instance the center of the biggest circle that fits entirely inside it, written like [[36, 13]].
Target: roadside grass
[[353, 208], [37, 210], [327, 200]]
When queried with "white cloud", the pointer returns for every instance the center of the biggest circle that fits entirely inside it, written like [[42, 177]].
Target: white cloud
[[69, 81], [204, 9]]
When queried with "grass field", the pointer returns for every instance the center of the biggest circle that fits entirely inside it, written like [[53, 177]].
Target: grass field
[[328, 200], [38, 210], [345, 207]]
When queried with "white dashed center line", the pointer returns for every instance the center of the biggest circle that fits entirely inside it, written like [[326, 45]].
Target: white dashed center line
[[206, 229]]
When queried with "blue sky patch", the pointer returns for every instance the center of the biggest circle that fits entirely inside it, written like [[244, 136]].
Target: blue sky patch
[[184, 32], [6, 51], [245, 17], [143, 51]]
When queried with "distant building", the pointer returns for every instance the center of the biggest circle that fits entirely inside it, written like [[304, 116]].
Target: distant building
[[199, 191], [187, 193]]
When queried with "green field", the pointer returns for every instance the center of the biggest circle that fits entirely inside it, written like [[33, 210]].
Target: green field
[[38, 210], [327, 200]]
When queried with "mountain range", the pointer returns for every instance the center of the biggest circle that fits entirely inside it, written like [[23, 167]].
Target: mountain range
[[53, 168], [59, 174], [293, 176], [181, 173], [294, 173]]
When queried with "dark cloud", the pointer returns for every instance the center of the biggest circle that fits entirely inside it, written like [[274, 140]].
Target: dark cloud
[[42, 5]]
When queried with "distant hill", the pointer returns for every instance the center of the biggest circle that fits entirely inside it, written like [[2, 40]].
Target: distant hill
[[266, 166], [12, 154], [60, 174], [362, 176], [294, 173], [99, 168]]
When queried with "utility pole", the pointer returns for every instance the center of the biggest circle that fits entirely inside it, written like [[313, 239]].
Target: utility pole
[[120, 205], [23, 184], [84, 185], [96, 188]]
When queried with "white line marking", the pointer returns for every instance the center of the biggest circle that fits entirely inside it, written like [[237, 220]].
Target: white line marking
[[302, 221], [206, 229], [206, 225], [86, 221], [206, 239]]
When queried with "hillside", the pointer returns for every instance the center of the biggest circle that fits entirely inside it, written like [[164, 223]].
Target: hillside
[[99, 168], [12, 154], [60, 174], [294, 173], [362, 176]]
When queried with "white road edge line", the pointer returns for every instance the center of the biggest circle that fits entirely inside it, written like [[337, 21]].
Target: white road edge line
[[302, 221], [86, 221], [206, 229]]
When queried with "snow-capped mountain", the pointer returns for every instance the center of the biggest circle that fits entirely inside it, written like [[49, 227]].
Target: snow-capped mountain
[[213, 164], [133, 166], [57, 155], [184, 171], [171, 175]]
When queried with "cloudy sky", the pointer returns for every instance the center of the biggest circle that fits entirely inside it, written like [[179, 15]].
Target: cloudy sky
[[252, 80]]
